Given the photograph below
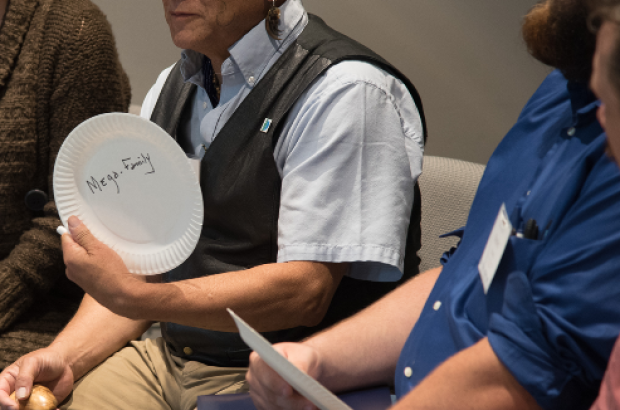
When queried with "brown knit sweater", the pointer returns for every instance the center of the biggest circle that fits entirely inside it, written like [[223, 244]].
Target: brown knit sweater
[[58, 67]]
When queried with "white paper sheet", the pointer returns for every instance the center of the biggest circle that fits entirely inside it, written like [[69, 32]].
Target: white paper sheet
[[304, 384]]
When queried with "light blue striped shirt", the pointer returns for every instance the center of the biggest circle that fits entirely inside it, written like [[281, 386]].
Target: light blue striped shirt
[[349, 153]]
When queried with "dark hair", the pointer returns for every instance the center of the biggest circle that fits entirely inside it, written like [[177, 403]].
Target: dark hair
[[556, 33]]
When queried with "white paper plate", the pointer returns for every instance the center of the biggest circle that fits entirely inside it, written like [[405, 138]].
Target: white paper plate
[[300, 381], [133, 187]]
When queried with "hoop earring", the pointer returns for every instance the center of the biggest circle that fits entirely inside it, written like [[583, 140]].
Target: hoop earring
[[272, 21]]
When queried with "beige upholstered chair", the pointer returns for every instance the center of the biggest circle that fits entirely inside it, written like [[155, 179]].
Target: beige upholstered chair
[[448, 187]]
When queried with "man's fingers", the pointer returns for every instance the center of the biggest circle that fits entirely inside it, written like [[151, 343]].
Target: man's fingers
[[270, 391], [7, 382], [80, 234], [7, 403], [28, 371], [262, 375], [47, 369], [7, 378]]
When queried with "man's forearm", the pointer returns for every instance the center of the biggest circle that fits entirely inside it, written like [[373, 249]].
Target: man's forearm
[[472, 379], [269, 297], [364, 349], [94, 334]]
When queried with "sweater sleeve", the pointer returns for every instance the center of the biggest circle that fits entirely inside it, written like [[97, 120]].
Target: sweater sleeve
[[80, 76]]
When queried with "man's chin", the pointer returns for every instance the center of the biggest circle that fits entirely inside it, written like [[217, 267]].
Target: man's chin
[[182, 37]]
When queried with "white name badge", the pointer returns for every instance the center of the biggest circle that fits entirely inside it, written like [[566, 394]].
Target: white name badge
[[494, 249]]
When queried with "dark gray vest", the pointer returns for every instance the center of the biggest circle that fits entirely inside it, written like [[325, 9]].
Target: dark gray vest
[[241, 189]]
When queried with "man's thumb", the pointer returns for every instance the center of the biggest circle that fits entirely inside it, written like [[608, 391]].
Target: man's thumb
[[80, 233]]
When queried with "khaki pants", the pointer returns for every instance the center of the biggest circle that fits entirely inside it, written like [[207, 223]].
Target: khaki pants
[[144, 375]]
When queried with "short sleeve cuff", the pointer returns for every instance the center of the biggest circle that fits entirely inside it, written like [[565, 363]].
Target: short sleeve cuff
[[369, 262], [522, 340], [528, 364]]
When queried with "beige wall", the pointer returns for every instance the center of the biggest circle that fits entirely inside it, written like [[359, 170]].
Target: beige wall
[[466, 58]]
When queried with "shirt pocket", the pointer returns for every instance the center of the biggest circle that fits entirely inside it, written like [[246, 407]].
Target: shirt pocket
[[519, 256]]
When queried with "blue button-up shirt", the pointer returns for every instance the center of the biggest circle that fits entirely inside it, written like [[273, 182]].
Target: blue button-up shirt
[[552, 312]]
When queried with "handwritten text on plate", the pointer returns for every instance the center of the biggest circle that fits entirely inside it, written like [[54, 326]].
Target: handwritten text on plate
[[141, 162]]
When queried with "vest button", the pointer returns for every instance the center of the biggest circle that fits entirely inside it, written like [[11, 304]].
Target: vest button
[[188, 351], [408, 372], [35, 200], [437, 305], [571, 131]]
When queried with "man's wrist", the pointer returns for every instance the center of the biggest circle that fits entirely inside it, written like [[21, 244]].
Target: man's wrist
[[133, 301], [68, 354], [319, 370], [141, 301]]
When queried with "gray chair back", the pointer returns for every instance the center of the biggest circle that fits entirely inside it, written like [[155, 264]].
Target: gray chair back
[[448, 187]]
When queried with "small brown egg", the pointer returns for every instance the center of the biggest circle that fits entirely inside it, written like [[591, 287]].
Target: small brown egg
[[41, 398]]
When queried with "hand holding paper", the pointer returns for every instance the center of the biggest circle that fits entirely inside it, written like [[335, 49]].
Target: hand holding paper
[[263, 393], [269, 390]]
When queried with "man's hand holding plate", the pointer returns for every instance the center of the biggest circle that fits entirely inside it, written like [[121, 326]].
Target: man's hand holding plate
[[98, 269]]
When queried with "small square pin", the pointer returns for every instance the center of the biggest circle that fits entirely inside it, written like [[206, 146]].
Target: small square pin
[[266, 125]]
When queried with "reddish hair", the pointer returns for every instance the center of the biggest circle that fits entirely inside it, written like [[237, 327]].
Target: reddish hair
[[556, 33]]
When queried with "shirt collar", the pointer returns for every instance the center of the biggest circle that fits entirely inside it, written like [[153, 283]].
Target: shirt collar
[[583, 102], [251, 54]]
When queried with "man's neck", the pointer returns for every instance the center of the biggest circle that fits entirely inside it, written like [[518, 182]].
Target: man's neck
[[217, 62]]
